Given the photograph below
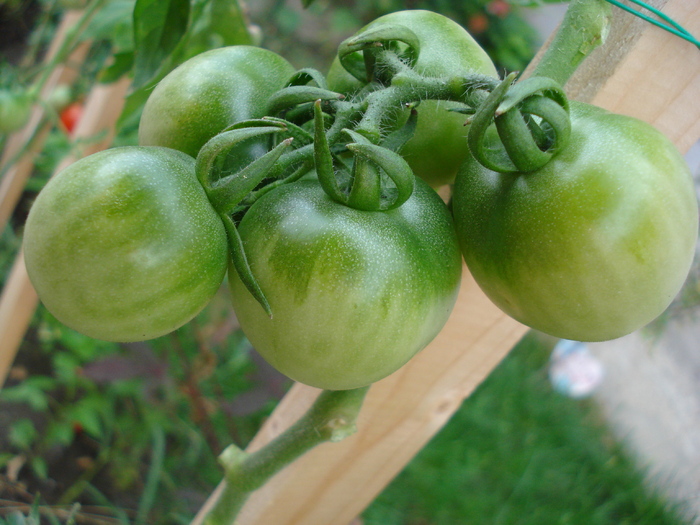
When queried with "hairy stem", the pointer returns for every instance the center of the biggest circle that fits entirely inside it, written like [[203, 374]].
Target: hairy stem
[[409, 87], [585, 27], [331, 418]]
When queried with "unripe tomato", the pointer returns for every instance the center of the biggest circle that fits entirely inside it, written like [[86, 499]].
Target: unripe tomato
[[437, 148], [15, 109], [208, 93], [354, 294], [593, 245], [123, 245]]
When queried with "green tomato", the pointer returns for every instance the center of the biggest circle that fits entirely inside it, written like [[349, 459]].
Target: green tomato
[[354, 294], [123, 245], [592, 246], [15, 109], [438, 146], [209, 92]]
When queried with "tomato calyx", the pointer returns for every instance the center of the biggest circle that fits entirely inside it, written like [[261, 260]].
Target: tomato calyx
[[226, 193], [365, 190], [295, 95], [308, 74], [358, 54], [532, 122]]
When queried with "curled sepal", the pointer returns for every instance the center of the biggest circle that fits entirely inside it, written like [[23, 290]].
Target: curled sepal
[[366, 183], [205, 167], [241, 265], [226, 193], [292, 96], [532, 86], [529, 144], [355, 53], [395, 167], [532, 120], [301, 136], [323, 159], [306, 75]]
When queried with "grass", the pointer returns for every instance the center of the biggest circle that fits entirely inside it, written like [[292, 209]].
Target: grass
[[518, 453]]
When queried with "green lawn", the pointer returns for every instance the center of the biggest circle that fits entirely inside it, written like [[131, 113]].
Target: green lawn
[[519, 453]]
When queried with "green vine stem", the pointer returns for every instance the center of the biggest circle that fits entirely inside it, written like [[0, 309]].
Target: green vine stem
[[585, 27], [332, 418]]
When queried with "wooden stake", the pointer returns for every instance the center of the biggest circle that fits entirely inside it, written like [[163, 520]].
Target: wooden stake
[[333, 483], [14, 180]]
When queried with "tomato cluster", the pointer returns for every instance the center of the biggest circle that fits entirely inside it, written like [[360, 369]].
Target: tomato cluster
[[340, 268]]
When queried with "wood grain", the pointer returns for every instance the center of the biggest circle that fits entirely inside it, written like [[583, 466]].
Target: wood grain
[[656, 80], [641, 71]]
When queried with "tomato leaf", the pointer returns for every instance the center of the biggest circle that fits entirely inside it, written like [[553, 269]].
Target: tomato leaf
[[113, 22], [158, 27], [214, 23], [121, 65], [220, 23]]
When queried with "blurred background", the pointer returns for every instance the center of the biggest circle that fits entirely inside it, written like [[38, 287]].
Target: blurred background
[[132, 431]]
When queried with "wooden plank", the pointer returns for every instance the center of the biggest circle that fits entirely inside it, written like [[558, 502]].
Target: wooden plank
[[14, 180], [18, 300], [657, 81], [334, 482]]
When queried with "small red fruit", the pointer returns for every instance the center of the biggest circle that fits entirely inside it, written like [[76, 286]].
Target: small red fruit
[[71, 115]]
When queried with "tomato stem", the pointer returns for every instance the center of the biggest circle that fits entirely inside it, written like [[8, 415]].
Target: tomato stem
[[332, 418], [585, 27], [408, 87]]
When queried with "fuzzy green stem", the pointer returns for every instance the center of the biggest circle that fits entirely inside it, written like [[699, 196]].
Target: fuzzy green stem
[[331, 418], [408, 87], [585, 26]]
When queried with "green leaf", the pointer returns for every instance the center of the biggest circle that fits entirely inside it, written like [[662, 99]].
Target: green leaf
[[92, 412], [113, 22], [158, 27], [32, 391], [40, 467], [122, 64], [214, 23], [22, 434], [133, 105], [59, 433], [220, 23]]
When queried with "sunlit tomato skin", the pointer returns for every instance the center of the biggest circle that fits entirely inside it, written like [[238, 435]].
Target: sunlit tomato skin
[[354, 294], [209, 92], [123, 245], [592, 246], [437, 148]]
